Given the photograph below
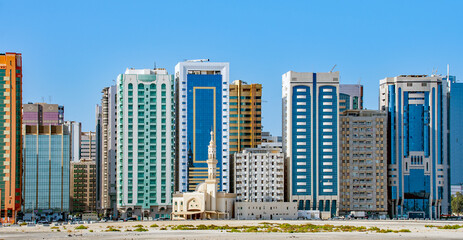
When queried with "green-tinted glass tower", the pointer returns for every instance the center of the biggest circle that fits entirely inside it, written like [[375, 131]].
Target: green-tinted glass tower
[[145, 143]]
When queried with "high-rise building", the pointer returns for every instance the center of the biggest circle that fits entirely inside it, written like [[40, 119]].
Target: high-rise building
[[43, 114], [10, 136], [417, 140], [46, 170], [83, 186], [456, 130], [350, 97], [245, 115], [106, 134], [310, 139], [88, 145], [145, 142], [259, 173], [202, 107], [75, 135], [363, 166]]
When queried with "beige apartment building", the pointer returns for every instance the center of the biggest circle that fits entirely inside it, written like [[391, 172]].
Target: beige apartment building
[[259, 173], [83, 186], [363, 151]]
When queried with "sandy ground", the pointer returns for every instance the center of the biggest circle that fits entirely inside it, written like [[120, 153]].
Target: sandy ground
[[417, 228]]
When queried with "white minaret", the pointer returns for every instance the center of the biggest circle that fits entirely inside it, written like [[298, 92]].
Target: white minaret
[[211, 181], [211, 159]]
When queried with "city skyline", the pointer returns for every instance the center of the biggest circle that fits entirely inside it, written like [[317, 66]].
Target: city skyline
[[86, 50]]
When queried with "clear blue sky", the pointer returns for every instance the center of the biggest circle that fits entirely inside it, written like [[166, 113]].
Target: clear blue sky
[[72, 49]]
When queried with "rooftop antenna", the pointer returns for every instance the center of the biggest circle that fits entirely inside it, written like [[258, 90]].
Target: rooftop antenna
[[434, 72], [333, 68], [154, 65], [448, 77], [448, 72]]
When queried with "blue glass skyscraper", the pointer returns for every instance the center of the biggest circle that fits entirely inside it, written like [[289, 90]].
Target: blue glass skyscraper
[[417, 139], [311, 139], [202, 107], [456, 131]]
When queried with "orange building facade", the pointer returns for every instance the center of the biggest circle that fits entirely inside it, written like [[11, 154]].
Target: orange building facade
[[245, 115], [10, 136]]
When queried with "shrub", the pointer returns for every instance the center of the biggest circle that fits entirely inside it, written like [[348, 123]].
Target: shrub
[[450, 227], [140, 229], [111, 229], [154, 225], [404, 230], [138, 226], [163, 228], [81, 227], [88, 230]]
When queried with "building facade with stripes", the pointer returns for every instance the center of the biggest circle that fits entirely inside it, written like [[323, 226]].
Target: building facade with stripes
[[46, 172], [10, 136], [418, 163], [311, 139], [145, 143]]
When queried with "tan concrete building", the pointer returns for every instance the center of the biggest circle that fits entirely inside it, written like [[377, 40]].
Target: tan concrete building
[[266, 210], [363, 151], [205, 202], [83, 186]]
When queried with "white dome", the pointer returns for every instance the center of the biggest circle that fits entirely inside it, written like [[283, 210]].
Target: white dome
[[201, 187]]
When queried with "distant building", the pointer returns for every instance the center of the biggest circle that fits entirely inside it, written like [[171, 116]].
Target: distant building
[[350, 97], [145, 143], [43, 114], [266, 210], [106, 152], [46, 171], [245, 115], [311, 138], [202, 106], [11, 159], [363, 153], [259, 174], [267, 137], [88, 145], [206, 202], [75, 135], [456, 130], [456, 188], [417, 108], [83, 186]]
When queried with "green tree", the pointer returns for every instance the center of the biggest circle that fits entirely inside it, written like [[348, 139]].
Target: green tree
[[457, 203]]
